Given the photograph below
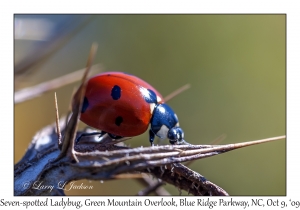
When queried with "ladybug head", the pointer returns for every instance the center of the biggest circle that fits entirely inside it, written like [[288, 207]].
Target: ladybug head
[[165, 124], [175, 135]]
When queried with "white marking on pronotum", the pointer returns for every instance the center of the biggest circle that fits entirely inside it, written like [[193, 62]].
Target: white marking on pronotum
[[163, 132], [152, 106], [158, 99]]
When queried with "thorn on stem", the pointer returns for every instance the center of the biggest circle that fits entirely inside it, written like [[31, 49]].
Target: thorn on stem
[[176, 92], [57, 121]]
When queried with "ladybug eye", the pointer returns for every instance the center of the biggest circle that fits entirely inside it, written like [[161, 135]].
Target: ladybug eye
[[175, 134]]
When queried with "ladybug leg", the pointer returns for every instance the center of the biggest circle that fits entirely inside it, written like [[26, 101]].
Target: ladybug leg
[[101, 133], [151, 137], [114, 136]]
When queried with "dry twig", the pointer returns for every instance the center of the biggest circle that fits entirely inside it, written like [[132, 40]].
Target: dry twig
[[37, 90]]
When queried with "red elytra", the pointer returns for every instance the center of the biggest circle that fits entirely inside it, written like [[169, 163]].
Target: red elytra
[[114, 102]]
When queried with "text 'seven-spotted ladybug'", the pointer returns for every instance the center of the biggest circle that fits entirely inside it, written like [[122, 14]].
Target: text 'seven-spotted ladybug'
[[124, 105]]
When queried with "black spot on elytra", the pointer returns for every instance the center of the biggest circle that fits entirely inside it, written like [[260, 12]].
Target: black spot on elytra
[[85, 105], [118, 120], [116, 92]]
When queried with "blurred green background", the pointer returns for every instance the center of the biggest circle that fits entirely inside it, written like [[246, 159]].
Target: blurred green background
[[234, 63]]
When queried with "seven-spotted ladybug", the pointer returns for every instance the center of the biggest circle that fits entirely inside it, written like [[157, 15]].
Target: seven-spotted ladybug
[[123, 105]]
